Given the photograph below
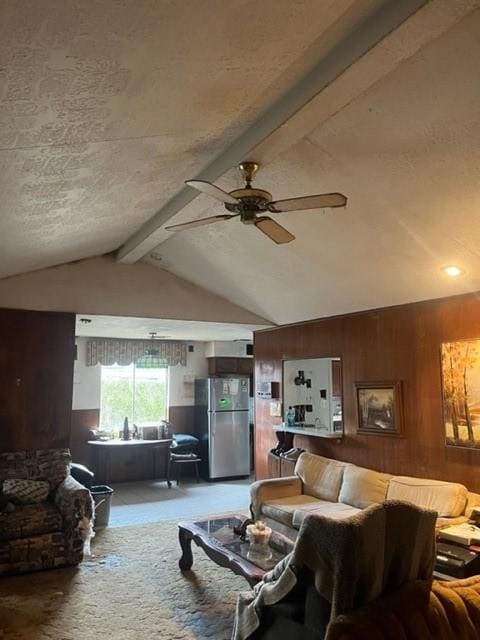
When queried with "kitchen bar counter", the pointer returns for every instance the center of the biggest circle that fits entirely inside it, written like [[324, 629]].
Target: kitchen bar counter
[[129, 460], [309, 431]]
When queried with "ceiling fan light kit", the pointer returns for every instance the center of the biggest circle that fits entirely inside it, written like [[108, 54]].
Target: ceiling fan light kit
[[249, 203]]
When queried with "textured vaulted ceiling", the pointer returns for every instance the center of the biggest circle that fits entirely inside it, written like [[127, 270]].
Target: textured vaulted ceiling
[[407, 154], [106, 107]]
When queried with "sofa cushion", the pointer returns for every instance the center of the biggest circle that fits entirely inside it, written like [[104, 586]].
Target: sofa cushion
[[321, 477], [282, 509], [26, 491], [448, 499], [363, 487], [334, 510], [30, 520]]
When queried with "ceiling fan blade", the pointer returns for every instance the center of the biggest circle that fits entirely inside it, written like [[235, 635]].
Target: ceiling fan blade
[[273, 230], [213, 191], [321, 201], [200, 222]]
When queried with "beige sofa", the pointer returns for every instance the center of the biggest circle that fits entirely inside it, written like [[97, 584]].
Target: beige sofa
[[338, 489]]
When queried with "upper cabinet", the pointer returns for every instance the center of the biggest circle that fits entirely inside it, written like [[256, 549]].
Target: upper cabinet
[[245, 366], [225, 366]]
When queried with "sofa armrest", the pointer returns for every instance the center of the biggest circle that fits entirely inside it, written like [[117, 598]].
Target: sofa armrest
[[473, 500], [73, 501], [443, 523], [273, 489]]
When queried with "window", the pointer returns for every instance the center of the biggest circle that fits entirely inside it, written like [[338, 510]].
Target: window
[[136, 393]]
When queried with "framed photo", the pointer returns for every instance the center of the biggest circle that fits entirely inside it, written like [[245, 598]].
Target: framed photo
[[461, 393], [379, 407]]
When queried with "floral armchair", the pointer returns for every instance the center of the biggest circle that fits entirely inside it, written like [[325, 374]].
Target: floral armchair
[[50, 533]]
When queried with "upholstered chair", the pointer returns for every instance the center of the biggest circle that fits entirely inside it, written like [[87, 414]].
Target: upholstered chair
[[42, 531]]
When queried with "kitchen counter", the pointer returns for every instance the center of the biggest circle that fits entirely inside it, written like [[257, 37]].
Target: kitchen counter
[[128, 460], [308, 430]]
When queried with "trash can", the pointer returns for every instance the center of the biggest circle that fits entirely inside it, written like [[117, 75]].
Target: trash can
[[102, 495]]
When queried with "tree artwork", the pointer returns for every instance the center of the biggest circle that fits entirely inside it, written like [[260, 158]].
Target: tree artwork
[[461, 399], [379, 407]]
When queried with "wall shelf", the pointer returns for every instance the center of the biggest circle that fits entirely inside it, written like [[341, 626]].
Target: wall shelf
[[308, 431]]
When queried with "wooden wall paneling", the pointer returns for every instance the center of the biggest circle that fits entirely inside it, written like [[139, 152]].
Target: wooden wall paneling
[[182, 419], [336, 378], [397, 343], [82, 421], [266, 370], [36, 380], [48, 379], [11, 371]]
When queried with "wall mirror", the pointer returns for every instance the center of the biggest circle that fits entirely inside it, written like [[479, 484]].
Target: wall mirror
[[313, 388]]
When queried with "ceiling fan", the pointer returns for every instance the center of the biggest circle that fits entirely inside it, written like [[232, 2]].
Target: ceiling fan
[[249, 203]]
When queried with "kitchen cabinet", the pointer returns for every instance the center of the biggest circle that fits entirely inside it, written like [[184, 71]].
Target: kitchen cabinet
[[226, 366], [130, 460], [245, 366]]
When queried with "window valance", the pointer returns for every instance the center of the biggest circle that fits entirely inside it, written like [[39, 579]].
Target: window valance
[[108, 351]]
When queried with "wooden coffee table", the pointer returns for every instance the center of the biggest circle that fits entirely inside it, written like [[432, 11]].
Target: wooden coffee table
[[217, 538]]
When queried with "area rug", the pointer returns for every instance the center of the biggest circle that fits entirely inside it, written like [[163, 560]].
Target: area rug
[[130, 589]]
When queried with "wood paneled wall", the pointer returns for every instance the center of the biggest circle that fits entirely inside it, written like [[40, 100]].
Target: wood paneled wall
[[82, 421], [36, 378], [181, 417], [397, 343]]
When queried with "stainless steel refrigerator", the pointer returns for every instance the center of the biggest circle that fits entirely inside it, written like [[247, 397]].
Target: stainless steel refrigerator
[[223, 427]]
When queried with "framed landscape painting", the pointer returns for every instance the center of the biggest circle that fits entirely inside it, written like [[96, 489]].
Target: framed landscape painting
[[379, 407], [461, 392]]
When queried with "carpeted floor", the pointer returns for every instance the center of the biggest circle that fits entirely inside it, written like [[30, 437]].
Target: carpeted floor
[[130, 589]]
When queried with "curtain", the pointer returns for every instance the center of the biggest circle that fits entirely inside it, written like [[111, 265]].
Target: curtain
[[108, 351]]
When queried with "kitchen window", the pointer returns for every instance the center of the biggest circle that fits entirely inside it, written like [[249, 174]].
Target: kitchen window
[[140, 394]]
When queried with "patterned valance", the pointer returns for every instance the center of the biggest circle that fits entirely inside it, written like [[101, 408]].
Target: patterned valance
[[108, 351]]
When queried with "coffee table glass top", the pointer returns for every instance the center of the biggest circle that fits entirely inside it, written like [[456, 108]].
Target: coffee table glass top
[[221, 530]]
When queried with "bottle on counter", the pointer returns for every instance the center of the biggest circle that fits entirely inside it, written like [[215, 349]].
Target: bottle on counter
[[164, 430], [290, 417], [126, 430]]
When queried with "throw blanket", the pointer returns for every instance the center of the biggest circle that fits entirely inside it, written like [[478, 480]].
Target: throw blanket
[[352, 562], [418, 611]]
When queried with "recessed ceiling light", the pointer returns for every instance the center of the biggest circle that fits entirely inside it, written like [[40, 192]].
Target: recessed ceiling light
[[453, 271]]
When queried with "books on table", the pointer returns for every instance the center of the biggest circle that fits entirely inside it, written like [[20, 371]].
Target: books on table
[[465, 534]]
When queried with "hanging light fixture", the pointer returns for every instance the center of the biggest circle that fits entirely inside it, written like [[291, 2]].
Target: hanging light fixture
[[151, 359]]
